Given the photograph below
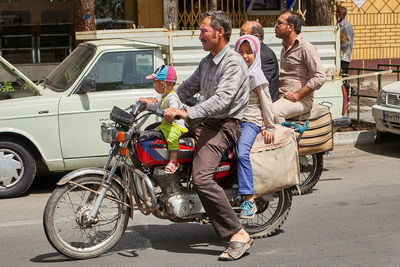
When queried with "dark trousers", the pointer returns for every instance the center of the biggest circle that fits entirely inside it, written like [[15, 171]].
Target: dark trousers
[[213, 138], [344, 65]]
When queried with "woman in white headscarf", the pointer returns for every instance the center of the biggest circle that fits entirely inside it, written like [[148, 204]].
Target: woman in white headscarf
[[258, 118]]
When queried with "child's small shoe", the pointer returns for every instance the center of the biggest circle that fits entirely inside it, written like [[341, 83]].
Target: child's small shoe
[[171, 167], [248, 210]]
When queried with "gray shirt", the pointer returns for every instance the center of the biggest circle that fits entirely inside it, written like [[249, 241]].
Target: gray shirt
[[171, 100], [223, 84]]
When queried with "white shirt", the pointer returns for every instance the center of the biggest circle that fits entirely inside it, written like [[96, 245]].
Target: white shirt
[[346, 47]]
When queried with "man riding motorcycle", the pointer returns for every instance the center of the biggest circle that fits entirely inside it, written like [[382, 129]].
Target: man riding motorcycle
[[222, 81]]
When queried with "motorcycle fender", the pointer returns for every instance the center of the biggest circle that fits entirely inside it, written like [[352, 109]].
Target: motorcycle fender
[[100, 172]]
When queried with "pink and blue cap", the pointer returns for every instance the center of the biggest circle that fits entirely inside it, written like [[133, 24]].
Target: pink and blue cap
[[164, 73]]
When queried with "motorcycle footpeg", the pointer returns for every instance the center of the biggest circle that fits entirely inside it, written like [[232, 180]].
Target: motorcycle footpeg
[[204, 219]]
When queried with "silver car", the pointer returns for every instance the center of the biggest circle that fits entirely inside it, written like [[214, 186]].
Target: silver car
[[386, 111]]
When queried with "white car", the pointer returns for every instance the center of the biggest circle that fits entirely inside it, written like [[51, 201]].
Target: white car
[[386, 111], [56, 124]]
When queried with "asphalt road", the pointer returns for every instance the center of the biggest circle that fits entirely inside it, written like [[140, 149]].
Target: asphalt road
[[352, 218]]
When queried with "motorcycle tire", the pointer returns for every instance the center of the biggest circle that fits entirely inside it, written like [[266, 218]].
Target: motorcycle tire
[[64, 219], [270, 215], [310, 171]]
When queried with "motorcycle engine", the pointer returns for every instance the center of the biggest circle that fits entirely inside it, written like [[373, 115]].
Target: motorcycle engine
[[181, 202]]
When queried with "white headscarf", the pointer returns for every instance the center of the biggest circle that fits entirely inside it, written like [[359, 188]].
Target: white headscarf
[[256, 75]]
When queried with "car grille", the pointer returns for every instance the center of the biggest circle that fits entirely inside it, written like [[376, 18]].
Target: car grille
[[393, 99], [392, 125]]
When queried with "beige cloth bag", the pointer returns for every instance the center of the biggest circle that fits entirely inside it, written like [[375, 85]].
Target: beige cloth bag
[[319, 135], [275, 166]]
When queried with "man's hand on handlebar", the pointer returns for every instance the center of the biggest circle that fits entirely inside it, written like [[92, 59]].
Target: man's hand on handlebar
[[171, 113]]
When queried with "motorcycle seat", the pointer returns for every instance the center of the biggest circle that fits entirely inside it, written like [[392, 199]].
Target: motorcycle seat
[[151, 134]]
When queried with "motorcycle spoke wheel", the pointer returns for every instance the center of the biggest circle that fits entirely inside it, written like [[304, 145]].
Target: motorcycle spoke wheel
[[270, 214], [310, 172], [66, 224]]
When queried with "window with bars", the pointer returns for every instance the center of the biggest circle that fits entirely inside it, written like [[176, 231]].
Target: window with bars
[[264, 11]]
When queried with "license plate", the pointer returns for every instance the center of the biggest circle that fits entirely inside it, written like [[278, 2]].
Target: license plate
[[391, 116]]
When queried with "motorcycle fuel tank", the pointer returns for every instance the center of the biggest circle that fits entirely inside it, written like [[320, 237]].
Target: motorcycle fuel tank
[[155, 152]]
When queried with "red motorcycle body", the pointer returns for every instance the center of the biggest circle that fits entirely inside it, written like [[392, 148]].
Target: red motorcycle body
[[153, 151]]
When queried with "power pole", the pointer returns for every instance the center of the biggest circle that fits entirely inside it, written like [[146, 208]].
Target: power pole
[[213, 5], [84, 15], [319, 12]]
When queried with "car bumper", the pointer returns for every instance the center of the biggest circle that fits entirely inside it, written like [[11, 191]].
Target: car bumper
[[382, 124]]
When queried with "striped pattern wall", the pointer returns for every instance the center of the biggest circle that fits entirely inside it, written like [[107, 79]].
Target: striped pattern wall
[[376, 29]]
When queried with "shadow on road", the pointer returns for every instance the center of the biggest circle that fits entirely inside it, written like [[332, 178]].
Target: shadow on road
[[390, 149], [44, 183], [50, 258], [177, 238], [185, 238]]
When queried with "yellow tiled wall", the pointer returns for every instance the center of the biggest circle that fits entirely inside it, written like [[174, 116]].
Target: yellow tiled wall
[[376, 29]]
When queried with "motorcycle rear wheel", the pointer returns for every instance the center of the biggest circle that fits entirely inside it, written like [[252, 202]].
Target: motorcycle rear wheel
[[270, 215], [310, 171], [65, 214]]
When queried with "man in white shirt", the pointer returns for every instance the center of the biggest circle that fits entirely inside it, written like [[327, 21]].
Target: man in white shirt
[[346, 39]]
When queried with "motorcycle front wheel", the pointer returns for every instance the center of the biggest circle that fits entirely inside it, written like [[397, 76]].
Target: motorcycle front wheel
[[65, 219], [272, 211]]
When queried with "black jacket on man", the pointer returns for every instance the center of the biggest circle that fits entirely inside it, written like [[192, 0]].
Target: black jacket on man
[[269, 65]]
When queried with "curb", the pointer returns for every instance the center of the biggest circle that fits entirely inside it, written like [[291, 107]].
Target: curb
[[354, 138]]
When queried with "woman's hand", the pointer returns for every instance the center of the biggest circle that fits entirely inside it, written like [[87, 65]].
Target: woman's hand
[[269, 137]]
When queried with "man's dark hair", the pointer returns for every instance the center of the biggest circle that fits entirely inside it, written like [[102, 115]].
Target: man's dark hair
[[295, 19], [343, 9], [220, 19], [256, 28]]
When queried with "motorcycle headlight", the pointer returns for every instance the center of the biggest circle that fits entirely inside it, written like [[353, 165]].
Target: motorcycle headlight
[[108, 133], [381, 97]]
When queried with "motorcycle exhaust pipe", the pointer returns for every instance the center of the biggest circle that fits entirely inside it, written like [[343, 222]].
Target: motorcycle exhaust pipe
[[147, 187]]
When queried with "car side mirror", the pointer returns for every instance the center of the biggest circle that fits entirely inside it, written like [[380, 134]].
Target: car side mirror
[[87, 85]]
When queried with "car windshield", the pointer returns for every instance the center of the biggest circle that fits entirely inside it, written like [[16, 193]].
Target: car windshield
[[12, 85], [67, 72]]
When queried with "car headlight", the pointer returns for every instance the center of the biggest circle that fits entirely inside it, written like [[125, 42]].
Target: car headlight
[[381, 97]]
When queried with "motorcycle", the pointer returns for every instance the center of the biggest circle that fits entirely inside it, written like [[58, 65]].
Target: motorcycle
[[88, 212]]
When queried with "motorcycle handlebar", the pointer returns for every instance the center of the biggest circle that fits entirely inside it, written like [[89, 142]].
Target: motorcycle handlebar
[[160, 113], [138, 107]]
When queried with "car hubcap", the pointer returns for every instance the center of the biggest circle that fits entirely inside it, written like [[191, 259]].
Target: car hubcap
[[11, 168]]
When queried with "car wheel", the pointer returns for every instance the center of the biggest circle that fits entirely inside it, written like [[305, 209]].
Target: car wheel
[[17, 168]]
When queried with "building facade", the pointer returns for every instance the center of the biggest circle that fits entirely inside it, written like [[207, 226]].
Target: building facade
[[376, 32]]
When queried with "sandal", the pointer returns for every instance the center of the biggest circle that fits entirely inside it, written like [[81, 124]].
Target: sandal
[[236, 249], [171, 167]]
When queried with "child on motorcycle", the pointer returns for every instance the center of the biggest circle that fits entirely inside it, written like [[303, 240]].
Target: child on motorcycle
[[164, 79], [258, 117]]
